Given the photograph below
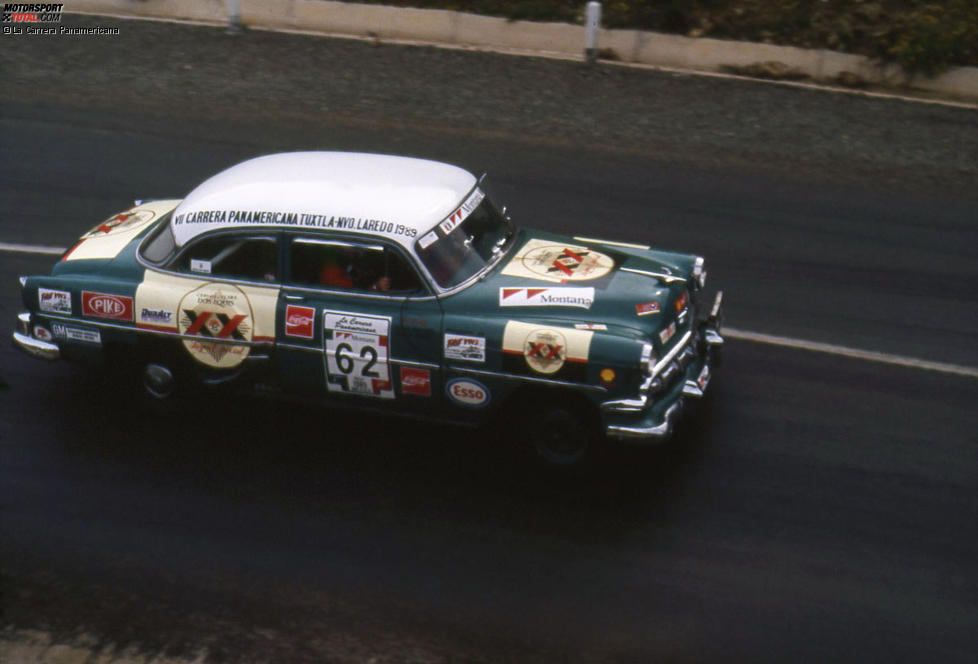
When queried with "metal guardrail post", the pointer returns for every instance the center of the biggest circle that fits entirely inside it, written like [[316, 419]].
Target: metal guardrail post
[[592, 23]]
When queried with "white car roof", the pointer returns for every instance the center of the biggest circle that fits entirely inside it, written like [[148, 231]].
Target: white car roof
[[399, 198]]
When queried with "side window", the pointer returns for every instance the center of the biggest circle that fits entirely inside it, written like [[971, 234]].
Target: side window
[[351, 266], [234, 257]]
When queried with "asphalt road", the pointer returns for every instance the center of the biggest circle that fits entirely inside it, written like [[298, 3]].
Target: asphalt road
[[814, 507]]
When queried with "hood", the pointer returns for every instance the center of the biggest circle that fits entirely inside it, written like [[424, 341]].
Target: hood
[[559, 280]]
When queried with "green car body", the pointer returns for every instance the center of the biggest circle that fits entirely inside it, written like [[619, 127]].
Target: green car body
[[451, 314]]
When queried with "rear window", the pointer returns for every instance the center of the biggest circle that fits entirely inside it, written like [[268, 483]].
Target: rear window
[[160, 244]]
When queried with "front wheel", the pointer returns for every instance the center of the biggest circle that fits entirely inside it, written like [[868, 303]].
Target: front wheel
[[562, 434]]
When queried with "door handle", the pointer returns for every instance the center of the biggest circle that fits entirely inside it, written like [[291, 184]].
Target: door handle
[[295, 297]]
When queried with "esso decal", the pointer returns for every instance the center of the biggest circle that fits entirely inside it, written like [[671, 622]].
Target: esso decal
[[468, 392]]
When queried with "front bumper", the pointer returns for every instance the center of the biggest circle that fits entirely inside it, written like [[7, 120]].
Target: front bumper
[[683, 373], [24, 340]]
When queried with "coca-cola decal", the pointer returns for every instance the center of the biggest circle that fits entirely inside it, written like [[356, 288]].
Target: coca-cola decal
[[415, 381], [299, 321], [103, 305]]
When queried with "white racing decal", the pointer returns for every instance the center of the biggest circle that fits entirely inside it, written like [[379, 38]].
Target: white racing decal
[[465, 347], [467, 392], [667, 333], [546, 297], [357, 354], [54, 301], [428, 240], [558, 263], [76, 334], [463, 211], [200, 266]]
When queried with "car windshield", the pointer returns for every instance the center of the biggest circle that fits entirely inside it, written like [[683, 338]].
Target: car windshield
[[466, 242]]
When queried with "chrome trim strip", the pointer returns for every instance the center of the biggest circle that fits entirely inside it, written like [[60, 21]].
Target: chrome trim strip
[[659, 431], [143, 330], [484, 372], [610, 243], [671, 355], [667, 278], [717, 303]]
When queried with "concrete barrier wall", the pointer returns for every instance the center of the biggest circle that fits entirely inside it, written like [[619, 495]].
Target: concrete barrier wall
[[460, 29]]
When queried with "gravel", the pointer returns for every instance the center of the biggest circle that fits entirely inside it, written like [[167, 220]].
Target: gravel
[[188, 71]]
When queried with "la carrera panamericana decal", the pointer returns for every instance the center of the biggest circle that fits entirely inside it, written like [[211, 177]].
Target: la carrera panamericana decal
[[558, 263], [357, 354], [217, 314]]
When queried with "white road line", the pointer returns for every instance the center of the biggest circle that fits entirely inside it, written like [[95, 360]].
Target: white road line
[[855, 353], [744, 335], [32, 249]]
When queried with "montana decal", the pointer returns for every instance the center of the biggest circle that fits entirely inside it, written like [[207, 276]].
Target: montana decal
[[463, 211], [559, 263], [220, 317], [552, 352], [546, 297], [357, 353]]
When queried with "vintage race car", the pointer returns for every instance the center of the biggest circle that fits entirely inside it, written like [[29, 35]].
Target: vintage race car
[[390, 283]]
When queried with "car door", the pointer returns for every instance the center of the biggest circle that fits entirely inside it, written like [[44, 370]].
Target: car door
[[358, 325], [218, 296]]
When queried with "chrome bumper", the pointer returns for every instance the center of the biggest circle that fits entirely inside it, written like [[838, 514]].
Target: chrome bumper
[[656, 419], [23, 340]]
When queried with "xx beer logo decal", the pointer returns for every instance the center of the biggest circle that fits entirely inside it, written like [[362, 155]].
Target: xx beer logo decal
[[121, 221], [216, 314], [554, 352], [558, 263], [215, 325]]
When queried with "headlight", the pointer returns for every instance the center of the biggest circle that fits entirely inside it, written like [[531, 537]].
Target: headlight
[[699, 272]]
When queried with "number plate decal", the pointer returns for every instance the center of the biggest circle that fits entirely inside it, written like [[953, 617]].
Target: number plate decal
[[357, 354]]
